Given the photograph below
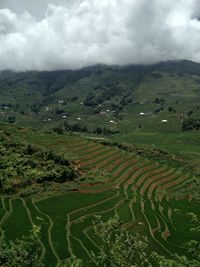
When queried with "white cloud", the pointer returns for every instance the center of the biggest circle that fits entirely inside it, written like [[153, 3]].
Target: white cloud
[[97, 31]]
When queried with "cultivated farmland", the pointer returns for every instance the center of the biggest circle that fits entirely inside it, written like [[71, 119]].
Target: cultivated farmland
[[135, 189]]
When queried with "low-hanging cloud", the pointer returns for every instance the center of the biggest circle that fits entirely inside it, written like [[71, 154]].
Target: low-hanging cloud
[[87, 32]]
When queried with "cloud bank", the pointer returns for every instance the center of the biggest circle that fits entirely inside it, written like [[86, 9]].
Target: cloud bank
[[54, 35]]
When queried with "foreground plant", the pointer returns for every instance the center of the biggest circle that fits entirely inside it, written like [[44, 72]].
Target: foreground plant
[[23, 253], [117, 246]]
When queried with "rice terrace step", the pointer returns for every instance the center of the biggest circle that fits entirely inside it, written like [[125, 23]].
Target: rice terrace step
[[136, 191]]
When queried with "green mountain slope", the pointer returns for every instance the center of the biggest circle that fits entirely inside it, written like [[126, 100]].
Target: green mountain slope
[[92, 90], [149, 105]]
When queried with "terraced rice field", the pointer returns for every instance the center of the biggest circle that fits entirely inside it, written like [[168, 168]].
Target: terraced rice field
[[132, 188]]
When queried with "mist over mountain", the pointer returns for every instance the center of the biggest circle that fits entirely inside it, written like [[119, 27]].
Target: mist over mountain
[[54, 35]]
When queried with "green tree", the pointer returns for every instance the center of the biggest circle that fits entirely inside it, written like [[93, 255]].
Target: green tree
[[23, 253], [176, 261], [118, 247], [71, 262]]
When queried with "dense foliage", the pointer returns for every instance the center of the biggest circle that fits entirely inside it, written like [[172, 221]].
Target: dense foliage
[[22, 165], [118, 247], [77, 127], [190, 124], [25, 252]]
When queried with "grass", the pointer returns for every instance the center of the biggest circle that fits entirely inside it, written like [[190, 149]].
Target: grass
[[16, 226], [184, 144]]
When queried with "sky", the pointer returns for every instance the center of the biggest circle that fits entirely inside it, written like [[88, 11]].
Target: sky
[[70, 34]]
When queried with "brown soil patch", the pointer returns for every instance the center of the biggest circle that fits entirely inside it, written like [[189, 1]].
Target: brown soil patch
[[95, 153], [92, 184], [96, 159], [153, 179]]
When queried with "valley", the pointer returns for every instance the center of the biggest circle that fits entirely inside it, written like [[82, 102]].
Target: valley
[[128, 139]]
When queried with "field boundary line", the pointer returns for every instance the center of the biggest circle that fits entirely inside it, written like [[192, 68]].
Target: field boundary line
[[31, 220], [85, 249], [5, 217], [68, 235], [86, 216], [92, 205], [151, 233], [88, 236], [49, 233], [69, 221]]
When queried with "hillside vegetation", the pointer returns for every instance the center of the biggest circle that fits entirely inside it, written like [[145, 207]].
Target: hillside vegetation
[[102, 100], [99, 94], [119, 142]]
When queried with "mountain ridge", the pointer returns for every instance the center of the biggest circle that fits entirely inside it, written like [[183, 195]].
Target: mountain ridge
[[183, 63], [86, 94]]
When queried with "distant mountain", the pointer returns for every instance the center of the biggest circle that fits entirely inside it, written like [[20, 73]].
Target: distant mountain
[[36, 97]]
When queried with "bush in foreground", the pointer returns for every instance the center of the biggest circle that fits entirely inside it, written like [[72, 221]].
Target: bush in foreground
[[23, 253]]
